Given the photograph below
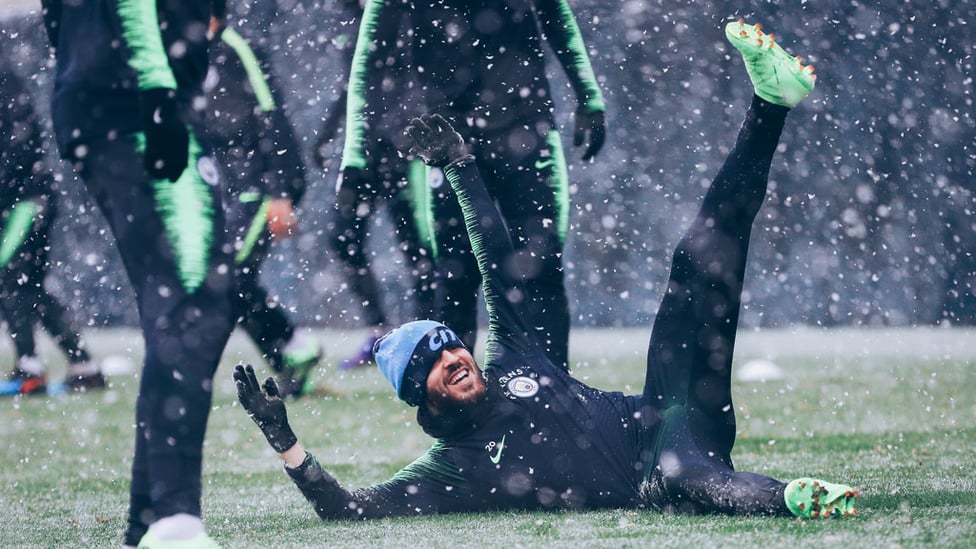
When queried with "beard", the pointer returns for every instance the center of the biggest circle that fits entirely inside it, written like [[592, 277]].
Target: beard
[[455, 417]]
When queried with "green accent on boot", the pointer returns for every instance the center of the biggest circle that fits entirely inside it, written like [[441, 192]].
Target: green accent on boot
[[814, 498], [777, 76], [294, 379], [308, 355]]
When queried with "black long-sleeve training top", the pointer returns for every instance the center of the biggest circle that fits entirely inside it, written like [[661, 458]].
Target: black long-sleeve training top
[[23, 174], [479, 60], [109, 50], [246, 120], [543, 439]]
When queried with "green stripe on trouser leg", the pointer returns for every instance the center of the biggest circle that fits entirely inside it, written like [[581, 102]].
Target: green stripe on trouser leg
[[16, 228], [187, 209]]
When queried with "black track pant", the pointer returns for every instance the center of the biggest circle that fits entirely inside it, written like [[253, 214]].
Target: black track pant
[[689, 363], [170, 237], [23, 299]]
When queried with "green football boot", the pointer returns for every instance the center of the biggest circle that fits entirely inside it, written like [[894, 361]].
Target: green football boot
[[814, 498], [301, 355], [777, 76]]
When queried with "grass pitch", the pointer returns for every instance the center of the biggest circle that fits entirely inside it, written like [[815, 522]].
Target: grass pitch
[[892, 412]]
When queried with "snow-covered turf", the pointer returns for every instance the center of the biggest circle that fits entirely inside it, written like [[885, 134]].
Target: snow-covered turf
[[892, 411]]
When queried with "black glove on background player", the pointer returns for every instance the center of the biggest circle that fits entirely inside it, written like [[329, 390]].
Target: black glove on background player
[[167, 137], [330, 129], [595, 123], [352, 184], [436, 141], [265, 407]]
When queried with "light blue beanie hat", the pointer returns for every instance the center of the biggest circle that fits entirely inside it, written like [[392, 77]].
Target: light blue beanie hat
[[406, 355]]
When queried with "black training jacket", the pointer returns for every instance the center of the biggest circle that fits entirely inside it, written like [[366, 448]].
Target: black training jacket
[[482, 61], [108, 50], [545, 440], [246, 121], [23, 173]]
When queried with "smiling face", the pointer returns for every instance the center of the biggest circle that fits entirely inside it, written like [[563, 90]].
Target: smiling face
[[454, 381]]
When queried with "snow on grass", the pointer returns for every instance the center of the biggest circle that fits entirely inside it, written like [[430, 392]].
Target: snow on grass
[[891, 411]]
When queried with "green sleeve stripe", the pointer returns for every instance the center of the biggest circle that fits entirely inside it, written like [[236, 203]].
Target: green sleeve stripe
[[16, 229], [353, 151], [140, 29], [254, 232], [432, 466], [251, 66], [580, 60], [477, 239], [421, 203], [559, 183]]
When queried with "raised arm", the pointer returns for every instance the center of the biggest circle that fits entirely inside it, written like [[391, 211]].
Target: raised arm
[[439, 145], [564, 37], [429, 485]]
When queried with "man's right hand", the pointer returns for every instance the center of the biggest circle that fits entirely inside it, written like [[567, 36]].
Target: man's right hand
[[265, 407], [167, 138], [436, 141], [593, 123], [330, 130]]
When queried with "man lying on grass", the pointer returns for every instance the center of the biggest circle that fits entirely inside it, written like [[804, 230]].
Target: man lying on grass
[[522, 433]]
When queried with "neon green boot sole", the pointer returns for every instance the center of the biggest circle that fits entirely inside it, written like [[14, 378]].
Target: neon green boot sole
[[814, 498], [777, 76]]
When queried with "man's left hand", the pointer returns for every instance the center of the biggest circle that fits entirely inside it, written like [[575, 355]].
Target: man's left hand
[[593, 122]]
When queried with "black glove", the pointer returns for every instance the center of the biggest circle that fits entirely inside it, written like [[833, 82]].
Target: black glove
[[436, 141], [318, 154], [595, 123], [265, 407], [332, 126], [167, 138], [352, 182]]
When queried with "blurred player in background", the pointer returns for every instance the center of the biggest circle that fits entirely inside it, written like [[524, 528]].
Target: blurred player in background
[[126, 112], [482, 66], [28, 206], [255, 144], [386, 177]]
